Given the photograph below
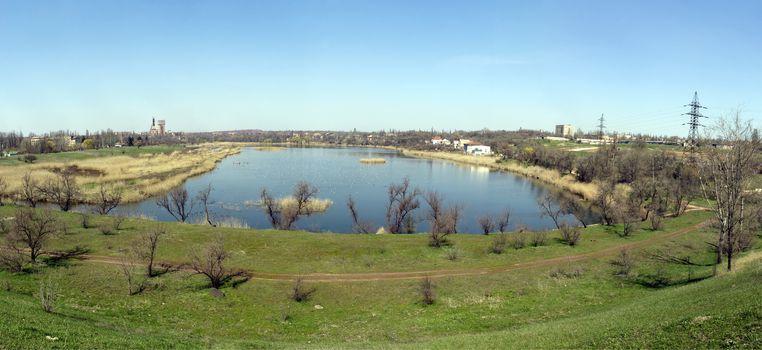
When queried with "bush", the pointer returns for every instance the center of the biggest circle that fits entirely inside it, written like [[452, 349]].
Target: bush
[[106, 229], [570, 234], [453, 254], [656, 222], [623, 263], [498, 243], [539, 238], [48, 295], [427, 291], [29, 158], [560, 272], [299, 293], [519, 238], [84, 220]]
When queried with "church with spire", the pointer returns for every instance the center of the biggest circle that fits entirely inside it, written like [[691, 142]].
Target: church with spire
[[158, 128]]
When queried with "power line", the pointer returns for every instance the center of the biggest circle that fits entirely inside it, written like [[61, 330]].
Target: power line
[[600, 127], [694, 123]]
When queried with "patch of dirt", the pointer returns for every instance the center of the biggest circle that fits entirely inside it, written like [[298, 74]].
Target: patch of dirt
[[77, 171]]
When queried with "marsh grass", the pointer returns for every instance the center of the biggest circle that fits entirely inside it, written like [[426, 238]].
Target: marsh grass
[[372, 160], [140, 176], [549, 176]]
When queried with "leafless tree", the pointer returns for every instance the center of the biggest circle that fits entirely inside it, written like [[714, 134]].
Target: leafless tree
[[11, 257], [605, 201], [444, 220], [575, 208], [282, 216], [30, 190], [107, 199], [211, 264], [129, 270], [146, 247], [203, 198], [502, 221], [32, 229], [62, 190], [358, 226], [498, 243], [486, 224], [550, 209], [725, 174], [177, 203], [402, 202]]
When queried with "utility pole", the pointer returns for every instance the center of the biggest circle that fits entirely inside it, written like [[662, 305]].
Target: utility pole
[[601, 127], [694, 123]]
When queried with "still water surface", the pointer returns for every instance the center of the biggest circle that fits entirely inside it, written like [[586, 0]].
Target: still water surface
[[338, 173]]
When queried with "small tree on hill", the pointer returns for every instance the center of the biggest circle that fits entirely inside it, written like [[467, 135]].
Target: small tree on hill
[[402, 202], [177, 203], [107, 199], [62, 190], [32, 229], [211, 263]]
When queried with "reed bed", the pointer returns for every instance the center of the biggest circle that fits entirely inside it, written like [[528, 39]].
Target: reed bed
[[373, 160], [552, 177], [139, 177]]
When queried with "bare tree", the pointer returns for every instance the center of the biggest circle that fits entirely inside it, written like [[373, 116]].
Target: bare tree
[[605, 201], [502, 221], [550, 209], [177, 203], [203, 198], [146, 247], [486, 224], [12, 257], [107, 199], [211, 263], [623, 263], [129, 270], [358, 226], [402, 202], [32, 229], [62, 190], [575, 208], [284, 216], [30, 190], [444, 221], [725, 174]]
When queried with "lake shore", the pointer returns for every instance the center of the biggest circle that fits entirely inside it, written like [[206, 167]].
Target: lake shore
[[139, 175], [586, 191]]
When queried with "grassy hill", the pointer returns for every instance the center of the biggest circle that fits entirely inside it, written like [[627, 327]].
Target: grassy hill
[[535, 297]]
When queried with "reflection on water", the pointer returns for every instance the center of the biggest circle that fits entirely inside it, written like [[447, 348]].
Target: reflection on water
[[337, 173]]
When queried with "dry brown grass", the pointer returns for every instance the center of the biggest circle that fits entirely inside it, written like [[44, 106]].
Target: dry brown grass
[[139, 176], [372, 160], [549, 176]]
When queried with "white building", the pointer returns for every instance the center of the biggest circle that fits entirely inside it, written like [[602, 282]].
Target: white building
[[460, 144], [438, 140], [565, 130], [477, 149]]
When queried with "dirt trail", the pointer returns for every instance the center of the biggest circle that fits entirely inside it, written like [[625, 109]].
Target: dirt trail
[[388, 276]]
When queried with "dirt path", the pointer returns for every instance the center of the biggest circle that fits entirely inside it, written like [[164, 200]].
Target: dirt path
[[389, 276]]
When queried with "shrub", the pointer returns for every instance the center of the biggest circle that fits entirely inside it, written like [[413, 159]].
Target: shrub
[[560, 272], [570, 234], [519, 238], [29, 158], [453, 254], [106, 229], [539, 238], [498, 243], [623, 263], [84, 220], [656, 222], [48, 295], [486, 224], [299, 293], [427, 291]]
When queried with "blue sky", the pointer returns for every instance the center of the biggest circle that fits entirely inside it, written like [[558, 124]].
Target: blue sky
[[370, 65]]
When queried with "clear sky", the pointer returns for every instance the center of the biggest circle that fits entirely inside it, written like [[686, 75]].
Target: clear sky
[[370, 65]]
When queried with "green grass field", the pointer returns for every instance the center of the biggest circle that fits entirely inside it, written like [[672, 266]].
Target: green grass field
[[566, 303]]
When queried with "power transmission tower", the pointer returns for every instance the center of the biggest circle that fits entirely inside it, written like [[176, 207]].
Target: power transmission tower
[[600, 127], [694, 123]]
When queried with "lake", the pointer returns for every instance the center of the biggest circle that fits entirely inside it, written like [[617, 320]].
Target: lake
[[338, 173]]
